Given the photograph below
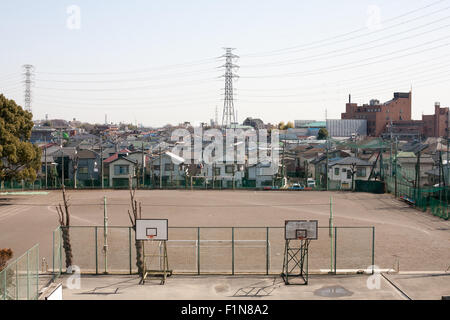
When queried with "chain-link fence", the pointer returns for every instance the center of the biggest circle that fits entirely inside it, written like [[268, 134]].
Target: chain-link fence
[[209, 250], [19, 280], [405, 184]]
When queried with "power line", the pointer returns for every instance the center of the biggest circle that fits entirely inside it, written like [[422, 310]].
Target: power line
[[317, 57], [142, 70], [158, 77], [352, 65], [281, 51], [187, 83]]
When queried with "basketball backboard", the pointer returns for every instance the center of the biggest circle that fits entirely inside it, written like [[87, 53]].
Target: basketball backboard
[[152, 229], [301, 229]]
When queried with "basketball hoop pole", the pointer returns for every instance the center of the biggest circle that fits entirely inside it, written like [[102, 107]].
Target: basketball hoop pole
[[330, 223], [105, 234]]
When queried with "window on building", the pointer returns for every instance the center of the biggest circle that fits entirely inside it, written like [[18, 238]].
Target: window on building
[[83, 170], [121, 169], [156, 167], [229, 169], [361, 172], [168, 167], [336, 171], [349, 174], [344, 170], [217, 171]]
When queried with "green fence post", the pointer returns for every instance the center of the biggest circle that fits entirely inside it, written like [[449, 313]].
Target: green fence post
[[17, 281], [96, 251], [60, 250], [53, 256], [373, 249], [198, 250], [335, 247], [129, 242], [267, 250], [4, 291], [28, 274], [232, 250], [37, 274]]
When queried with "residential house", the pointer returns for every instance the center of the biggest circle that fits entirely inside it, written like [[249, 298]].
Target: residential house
[[120, 169], [261, 175], [89, 167], [227, 173], [167, 168], [343, 172]]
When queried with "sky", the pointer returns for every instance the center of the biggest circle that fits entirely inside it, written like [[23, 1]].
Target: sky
[[158, 62]]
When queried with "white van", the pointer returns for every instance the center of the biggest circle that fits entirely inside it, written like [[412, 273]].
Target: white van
[[311, 183]]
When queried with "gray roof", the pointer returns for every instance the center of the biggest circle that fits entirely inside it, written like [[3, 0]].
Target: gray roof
[[350, 161]]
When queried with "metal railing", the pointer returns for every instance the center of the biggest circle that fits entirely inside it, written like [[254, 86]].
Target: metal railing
[[19, 280], [215, 250]]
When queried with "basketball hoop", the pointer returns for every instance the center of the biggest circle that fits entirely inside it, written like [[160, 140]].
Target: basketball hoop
[[150, 237]]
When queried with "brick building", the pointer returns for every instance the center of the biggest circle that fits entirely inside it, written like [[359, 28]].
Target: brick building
[[435, 125], [379, 115]]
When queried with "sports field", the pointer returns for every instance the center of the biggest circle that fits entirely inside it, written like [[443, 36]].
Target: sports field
[[405, 238]]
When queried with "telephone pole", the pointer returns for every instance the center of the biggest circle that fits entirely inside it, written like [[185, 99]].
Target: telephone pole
[[229, 116], [28, 72]]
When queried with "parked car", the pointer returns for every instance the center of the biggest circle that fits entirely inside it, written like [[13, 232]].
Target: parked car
[[297, 186], [311, 183]]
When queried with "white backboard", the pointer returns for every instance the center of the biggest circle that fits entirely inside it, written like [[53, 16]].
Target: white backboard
[[158, 228], [305, 228]]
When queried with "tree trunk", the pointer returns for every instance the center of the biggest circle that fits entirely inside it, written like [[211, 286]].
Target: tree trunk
[[67, 246], [139, 257]]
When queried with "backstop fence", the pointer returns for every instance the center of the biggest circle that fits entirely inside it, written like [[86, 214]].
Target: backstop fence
[[19, 280], [214, 250]]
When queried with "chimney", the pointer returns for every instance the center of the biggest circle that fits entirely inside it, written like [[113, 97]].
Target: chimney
[[349, 98]]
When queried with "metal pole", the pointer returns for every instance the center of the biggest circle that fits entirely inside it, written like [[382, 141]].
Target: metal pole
[[105, 234], [198, 250], [28, 274], [232, 250], [267, 250], [160, 168], [62, 158], [331, 234], [326, 167], [446, 191], [143, 166], [37, 273], [395, 161], [101, 160], [17, 281], [96, 250], [373, 249], [335, 249], [60, 249], [4, 288], [53, 255], [129, 245], [45, 159]]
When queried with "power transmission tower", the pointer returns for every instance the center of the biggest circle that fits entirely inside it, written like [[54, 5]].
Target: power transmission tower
[[229, 116], [29, 75]]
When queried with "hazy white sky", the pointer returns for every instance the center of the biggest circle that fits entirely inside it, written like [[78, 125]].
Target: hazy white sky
[[156, 62]]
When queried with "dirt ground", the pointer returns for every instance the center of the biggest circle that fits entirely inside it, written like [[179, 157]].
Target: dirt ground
[[405, 238]]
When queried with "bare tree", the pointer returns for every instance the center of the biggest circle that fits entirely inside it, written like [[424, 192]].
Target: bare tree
[[64, 222], [5, 255], [136, 213]]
